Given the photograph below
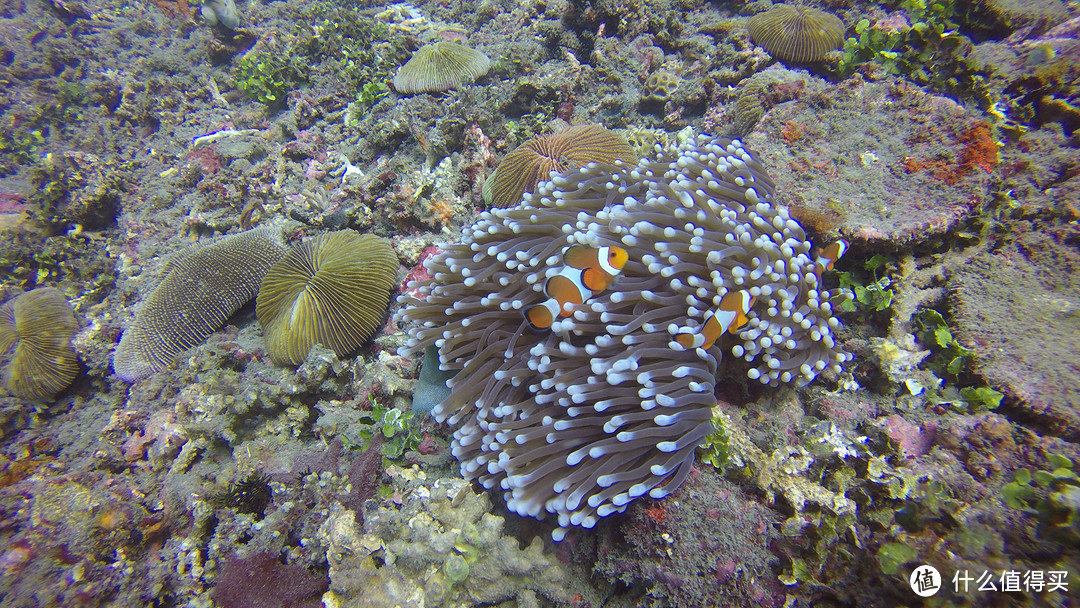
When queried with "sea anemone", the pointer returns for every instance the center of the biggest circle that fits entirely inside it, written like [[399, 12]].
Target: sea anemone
[[440, 67], [798, 34], [199, 288], [535, 160], [607, 406], [35, 337], [331, 290]]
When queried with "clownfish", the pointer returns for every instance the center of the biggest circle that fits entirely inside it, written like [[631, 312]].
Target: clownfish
[[586, 271], [729, 316], [828, 255]]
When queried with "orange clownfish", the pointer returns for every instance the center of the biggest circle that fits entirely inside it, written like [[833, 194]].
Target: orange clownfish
[[729, 316], [828, 255], [586, 271]]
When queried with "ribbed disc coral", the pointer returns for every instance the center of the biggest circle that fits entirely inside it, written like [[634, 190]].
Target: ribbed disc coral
[[607, 406], [535, 160], [331, 290], [35, 336], [797, 33], [199, 288], [439, 67]]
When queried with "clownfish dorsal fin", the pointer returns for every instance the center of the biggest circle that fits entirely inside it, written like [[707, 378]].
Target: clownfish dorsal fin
[[580, 257]]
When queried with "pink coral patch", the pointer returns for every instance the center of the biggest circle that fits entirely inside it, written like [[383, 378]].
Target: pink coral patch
[[914, 440], [419, 274], [11, 202]]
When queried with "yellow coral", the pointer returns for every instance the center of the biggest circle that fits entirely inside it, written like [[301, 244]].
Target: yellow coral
[[36, 329], [331, 290]]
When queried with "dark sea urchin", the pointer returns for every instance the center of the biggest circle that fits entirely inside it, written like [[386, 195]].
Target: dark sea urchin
[[607, 406]]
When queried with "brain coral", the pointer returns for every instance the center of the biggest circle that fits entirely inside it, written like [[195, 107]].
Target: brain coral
[[607, 406], [439, 67], [35, 335], [659, 87], [797, 33], [199, 288], [534, 160], [331, 290]]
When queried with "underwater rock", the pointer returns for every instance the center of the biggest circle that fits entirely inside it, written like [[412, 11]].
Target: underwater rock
[[891, 161], [431, 388], [261, 581], [702, 547], [77, 188], [1040, 174], [1011, 15], [1017, 309]]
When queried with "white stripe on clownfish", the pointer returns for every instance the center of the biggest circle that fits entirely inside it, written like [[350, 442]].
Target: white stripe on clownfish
[[586, 271], [828, 255], [729, 316]]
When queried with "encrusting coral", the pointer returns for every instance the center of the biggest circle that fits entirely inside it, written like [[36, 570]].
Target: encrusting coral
[[441, 547], [330, 290], [534, 160], [610, 403], [199, 288], [36, 328], [439, 67], [797, 33]]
